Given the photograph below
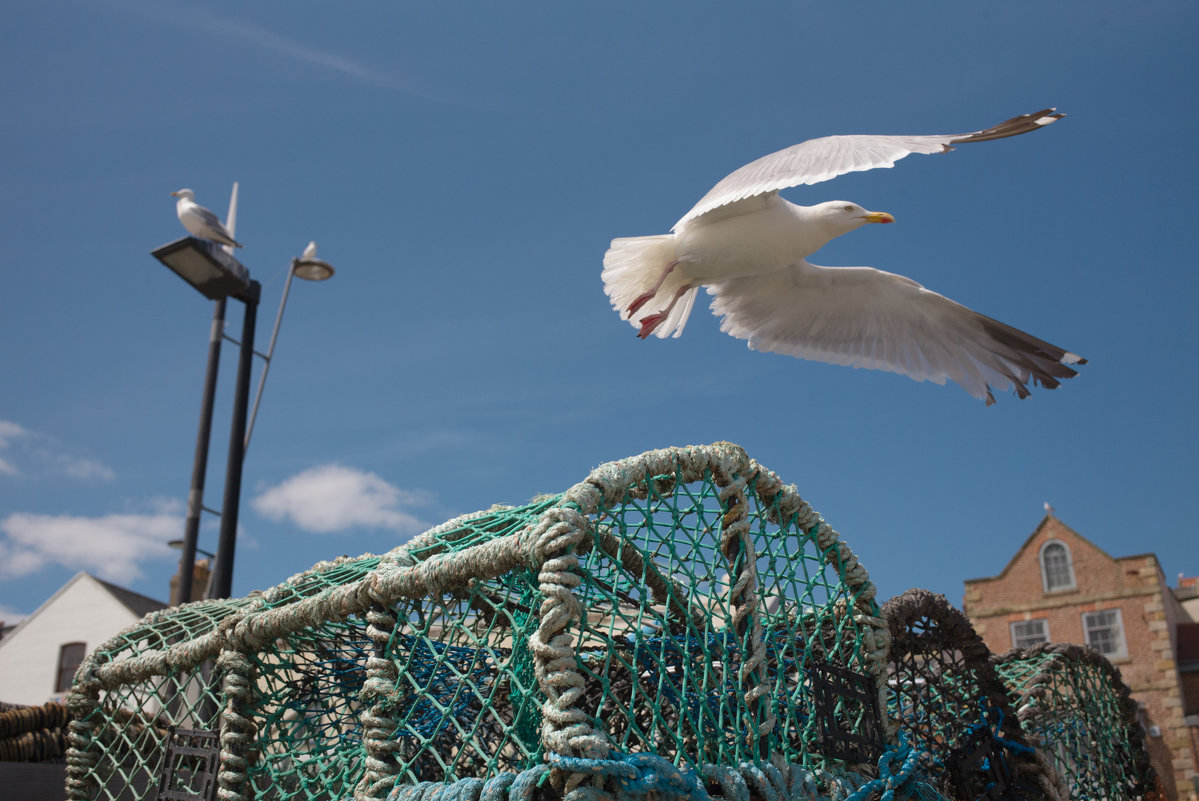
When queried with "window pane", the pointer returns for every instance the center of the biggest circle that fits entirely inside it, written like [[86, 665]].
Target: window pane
[[1103, 632], [1055, 561], [69, 657], [1026, 633]]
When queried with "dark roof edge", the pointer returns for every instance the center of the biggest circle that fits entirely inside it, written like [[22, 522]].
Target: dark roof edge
[[139, 604]]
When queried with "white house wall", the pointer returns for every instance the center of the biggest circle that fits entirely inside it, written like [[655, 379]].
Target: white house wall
[[82, 611]]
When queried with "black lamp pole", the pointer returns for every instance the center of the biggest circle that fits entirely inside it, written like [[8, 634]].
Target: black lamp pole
[[222, 576], [212, 270], [195, 496]]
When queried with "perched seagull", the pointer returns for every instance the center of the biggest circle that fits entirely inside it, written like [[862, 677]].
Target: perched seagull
[[309, 252], [748, 247], [199, 221]]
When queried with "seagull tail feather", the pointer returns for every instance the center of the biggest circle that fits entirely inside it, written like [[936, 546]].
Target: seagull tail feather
[[633, 267]]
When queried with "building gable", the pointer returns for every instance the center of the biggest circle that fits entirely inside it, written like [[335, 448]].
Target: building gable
[[1050, 528], [84, 610]]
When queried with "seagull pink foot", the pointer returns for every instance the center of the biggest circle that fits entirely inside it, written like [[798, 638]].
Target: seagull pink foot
[[648, 324], [643, 299]]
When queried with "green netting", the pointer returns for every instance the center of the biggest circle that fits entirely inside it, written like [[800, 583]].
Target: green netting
[[130, 724], [307, 713], [670, 671], [121, 726], [319, 578], [1073, 704], [182, 625], [683, 604]]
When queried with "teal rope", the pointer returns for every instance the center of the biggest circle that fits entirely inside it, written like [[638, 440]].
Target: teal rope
[[732, 785], [502, 787], [888, 781], [638, 774], [641, 774], [1010, 745]]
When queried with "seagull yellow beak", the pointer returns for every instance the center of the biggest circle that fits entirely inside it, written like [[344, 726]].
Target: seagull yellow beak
[[174, 194], [879, 217]]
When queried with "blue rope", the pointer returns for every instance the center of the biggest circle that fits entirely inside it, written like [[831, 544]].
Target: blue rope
[[891, 781], [1010, 745], [501, 787], [638, 774], [756, 779], [731, 784], [496, 788]]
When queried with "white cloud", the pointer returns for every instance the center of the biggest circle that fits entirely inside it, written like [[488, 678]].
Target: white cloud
[[113, 547], [333, 497], [25, 452], [234, 29], [9, 431], [78, 467]]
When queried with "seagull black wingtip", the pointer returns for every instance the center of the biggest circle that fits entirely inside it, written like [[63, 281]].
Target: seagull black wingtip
[[1025, 123]]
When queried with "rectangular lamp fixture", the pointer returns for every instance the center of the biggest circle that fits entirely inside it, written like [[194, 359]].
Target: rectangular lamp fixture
[[206, 266]]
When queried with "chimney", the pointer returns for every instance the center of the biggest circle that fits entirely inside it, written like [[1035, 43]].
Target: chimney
[[200, 576]]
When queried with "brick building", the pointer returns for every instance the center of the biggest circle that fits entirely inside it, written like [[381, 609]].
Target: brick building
[[1059, 587]]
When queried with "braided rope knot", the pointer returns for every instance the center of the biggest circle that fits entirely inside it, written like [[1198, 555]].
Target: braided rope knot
[[558, 529], [638, 774]]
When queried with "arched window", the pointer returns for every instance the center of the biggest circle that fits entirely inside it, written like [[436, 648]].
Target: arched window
[[1057, 568], [69, 657]]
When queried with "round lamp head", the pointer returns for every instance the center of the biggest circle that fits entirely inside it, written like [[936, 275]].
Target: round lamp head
[[313, 269]]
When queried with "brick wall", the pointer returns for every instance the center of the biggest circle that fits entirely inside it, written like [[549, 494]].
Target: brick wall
[[1134, 585]]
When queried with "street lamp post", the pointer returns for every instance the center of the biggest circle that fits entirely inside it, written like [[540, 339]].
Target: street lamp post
[[213, 271], [195, 495], [308, 268], [222, 572]]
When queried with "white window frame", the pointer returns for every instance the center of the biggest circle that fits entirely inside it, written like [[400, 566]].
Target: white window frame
[[1122, 651], [1044, 621], [1045, 574]]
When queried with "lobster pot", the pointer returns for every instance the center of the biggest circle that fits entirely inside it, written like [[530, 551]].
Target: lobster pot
[[1074, 706], [682, 607], [129, 699], [722, 621], [950, 703]]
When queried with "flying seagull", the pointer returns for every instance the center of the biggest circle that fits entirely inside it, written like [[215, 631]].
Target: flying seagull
[[199, 221], [748, 247]]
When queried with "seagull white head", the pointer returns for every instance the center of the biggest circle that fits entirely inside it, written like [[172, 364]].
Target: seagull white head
[[184, 193], [843, 216]]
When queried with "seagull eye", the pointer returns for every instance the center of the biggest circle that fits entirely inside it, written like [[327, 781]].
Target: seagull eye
[[849, 208]]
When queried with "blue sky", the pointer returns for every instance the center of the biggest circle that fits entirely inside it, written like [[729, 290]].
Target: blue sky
[[464, 167]]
